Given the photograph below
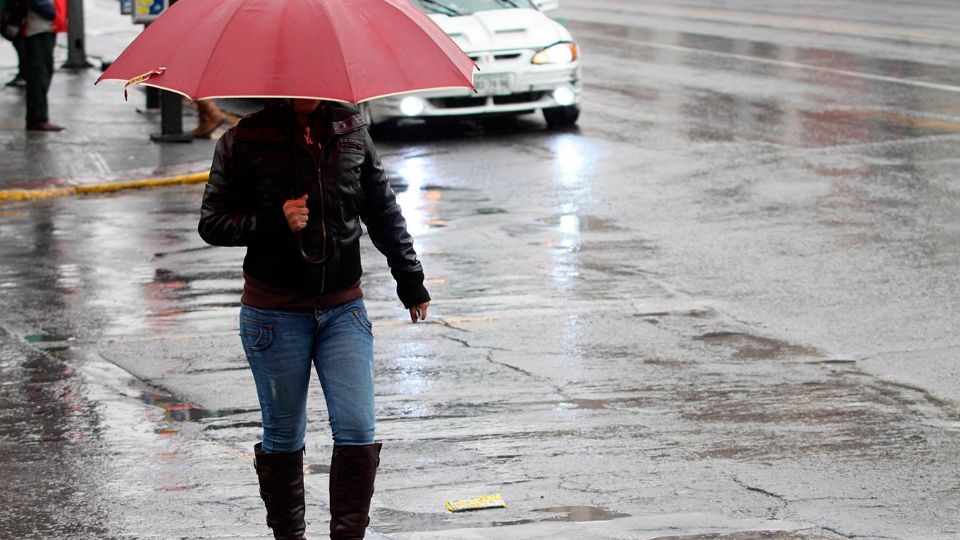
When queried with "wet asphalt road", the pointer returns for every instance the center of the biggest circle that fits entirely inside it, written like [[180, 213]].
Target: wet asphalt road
[[726, 304]]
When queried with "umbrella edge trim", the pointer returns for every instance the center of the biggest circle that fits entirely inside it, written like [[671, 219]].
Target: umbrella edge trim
[[255, 96]]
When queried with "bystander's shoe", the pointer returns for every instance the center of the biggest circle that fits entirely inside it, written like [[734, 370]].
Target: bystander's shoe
[[18, 82], [44, 126], [208, 124]]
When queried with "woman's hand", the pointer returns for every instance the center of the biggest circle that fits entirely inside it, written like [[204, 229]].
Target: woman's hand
[[297, 213], [419, 312]]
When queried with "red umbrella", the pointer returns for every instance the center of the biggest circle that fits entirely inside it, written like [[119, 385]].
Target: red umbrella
[[342, 50]]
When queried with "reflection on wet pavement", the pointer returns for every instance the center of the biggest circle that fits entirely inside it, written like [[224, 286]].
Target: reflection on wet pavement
[[745, 535], [50, 441], [176, 411], [580, 513], [396, 521]]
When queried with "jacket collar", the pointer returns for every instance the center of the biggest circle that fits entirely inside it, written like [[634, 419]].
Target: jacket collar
[[273, 123], [343, 118]]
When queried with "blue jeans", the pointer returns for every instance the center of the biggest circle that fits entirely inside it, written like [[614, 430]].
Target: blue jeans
[[281, 346]]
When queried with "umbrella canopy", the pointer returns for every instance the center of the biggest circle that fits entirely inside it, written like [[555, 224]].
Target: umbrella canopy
[[341, 50]]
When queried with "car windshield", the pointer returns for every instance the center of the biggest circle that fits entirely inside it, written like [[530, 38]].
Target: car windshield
[[456, 8]]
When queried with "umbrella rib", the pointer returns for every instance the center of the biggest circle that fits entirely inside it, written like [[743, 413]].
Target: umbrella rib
[[339, 48], [223, 30]]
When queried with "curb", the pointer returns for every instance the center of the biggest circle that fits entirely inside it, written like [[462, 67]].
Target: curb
[[107, 187]]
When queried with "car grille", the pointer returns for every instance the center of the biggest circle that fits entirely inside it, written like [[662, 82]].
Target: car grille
[[466, 102], [499, 57], [458, 102], [522, 97]]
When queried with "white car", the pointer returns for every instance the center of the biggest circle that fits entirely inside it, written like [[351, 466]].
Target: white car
[[527, 61]]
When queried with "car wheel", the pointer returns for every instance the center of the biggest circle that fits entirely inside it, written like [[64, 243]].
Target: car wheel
[[561, 116]]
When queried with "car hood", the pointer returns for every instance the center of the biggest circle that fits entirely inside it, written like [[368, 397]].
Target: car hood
[[502, 29]]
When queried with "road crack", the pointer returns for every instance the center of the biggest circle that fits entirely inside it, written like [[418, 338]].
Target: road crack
[[774, 512], [467, 344], [451, 326], [762, 491]]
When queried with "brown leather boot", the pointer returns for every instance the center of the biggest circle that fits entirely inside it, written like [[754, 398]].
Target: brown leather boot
[[209, 118], [281, 488], [352, 472]]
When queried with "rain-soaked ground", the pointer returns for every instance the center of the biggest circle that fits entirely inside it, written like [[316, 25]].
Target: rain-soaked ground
[[725, 307]]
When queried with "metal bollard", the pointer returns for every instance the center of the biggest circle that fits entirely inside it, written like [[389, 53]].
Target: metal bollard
[[76, 48], [171, 119], [153, 99]]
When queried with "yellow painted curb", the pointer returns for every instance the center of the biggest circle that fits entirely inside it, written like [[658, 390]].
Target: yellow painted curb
[[27, 194], [106, 187]]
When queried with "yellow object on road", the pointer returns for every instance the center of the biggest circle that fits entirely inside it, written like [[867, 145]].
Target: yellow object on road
[[477, 503]]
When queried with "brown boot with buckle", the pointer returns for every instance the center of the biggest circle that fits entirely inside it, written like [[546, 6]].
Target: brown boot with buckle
[[281, 488], [352, 473]]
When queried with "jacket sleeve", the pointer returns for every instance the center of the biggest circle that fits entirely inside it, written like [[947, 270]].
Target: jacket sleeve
[[44, 8], [388, 229], [228, 216]]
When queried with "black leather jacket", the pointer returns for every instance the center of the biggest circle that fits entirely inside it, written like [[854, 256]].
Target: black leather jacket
[[258, 165]]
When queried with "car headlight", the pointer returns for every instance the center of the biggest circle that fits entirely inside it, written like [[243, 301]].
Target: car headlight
[[412, 106], [561, 53]]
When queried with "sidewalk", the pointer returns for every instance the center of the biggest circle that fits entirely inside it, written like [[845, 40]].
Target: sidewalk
[[106, 144]]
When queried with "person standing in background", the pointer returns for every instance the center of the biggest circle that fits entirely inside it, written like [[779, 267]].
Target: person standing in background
[[20, 80], [44, 19], [209, 118]]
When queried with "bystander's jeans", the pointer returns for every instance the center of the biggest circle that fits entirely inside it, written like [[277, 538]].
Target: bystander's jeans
[[281, 346]]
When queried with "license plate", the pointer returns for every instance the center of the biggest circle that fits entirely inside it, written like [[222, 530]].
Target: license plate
[[493, 85]]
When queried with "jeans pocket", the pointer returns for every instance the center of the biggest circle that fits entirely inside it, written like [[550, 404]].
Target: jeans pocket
[[255, 337], [360, 315]]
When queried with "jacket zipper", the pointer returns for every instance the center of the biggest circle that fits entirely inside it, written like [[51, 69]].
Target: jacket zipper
[[323, 224], [323, 269], [323, 209]]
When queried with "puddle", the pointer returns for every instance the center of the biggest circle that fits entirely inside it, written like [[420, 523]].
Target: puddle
[[47, 338], [750, 347], [581, 513], [161, 254], [839, 362], [176, 488], [743, 535], [175, 411], [489, 211], [392, 520], [568, 514], [235, 425], [437, 187], [696, 313], [576, 223], [596, 404]]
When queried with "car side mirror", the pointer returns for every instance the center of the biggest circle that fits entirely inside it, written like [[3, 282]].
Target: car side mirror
[[546, 5]]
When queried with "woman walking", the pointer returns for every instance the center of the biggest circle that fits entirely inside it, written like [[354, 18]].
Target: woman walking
[[291, 183]]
